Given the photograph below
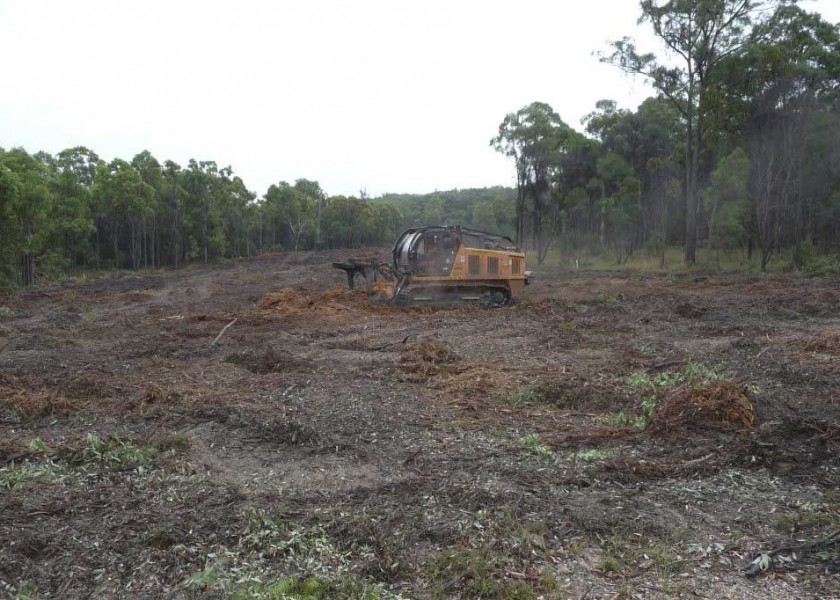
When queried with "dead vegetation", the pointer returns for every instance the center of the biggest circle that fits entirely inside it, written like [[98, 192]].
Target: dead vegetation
[[23, 403], [579, 443], [826, 342], [265, 361], [426, 359], [722, 405], [335, 304]]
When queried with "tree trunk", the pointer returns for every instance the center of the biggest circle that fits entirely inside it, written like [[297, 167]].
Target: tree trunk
[[27, 269], [690, 181]]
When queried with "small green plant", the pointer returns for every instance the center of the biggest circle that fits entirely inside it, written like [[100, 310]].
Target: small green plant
[[592, 455], [24, 591], [42, 472], [608, 565], [532, 446], [526, 395], [88, 317], [623, 419], [6, 312], [116, 454], [37, 445]]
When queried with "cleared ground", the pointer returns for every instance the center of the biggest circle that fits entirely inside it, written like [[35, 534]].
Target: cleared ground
[[609, 435]]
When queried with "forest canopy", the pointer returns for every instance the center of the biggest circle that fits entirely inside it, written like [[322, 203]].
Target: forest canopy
[[738, 149]]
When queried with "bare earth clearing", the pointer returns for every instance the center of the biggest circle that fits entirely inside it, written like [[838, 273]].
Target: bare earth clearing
[[476, 453]]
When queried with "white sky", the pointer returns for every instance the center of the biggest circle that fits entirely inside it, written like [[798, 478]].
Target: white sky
[[386, 95]]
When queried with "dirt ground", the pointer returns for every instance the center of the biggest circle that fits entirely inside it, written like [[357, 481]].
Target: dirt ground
[[607, 436]]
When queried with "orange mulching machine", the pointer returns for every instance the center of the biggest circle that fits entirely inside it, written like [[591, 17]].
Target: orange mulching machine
[[446, 264]]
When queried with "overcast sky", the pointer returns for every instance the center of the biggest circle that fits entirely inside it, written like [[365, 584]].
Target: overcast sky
[[387, 96]]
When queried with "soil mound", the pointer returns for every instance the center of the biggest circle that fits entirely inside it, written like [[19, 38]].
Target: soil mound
[[722, 405]]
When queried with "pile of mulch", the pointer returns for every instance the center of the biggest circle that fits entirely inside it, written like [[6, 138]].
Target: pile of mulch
[[426, 359], [464, 385], [721, 405], [480, 379], [21, 402], [284, 299], [335, 304], [827, 342]]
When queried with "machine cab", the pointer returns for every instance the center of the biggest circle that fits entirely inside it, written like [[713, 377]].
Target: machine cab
[[429, 251]]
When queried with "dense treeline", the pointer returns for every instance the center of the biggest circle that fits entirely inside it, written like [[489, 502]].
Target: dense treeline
[[740, 148], [487, 209], [73, 210]]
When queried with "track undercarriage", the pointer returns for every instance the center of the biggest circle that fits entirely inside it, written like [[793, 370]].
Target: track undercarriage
[[420, 294]]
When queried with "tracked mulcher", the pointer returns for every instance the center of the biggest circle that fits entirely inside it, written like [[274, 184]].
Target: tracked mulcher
[[433, 265]]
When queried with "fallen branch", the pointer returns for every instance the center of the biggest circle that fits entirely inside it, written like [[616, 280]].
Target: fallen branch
[[763, 561], [222, 332]]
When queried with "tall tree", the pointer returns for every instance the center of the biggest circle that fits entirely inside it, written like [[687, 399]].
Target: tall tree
[[536, 138], [701, 34], [30, 202]]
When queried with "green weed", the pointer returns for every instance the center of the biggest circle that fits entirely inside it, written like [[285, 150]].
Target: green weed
[[24, 591], [608, 565], [42, 472], [592, 455], [623, 419], [37, 445], [527, 395], [116, 454], [532, 446]]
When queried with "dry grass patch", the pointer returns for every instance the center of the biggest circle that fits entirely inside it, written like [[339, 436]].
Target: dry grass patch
[[283, 299], [722, 405], [487, 379], [426, 359], [335, 304], [26, 403], [827, 342]]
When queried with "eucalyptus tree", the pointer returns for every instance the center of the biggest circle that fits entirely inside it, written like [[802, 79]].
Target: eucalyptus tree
[[783, 95], [28, 199], [71, 215], [699, 35], [537, 139], [10, 238]]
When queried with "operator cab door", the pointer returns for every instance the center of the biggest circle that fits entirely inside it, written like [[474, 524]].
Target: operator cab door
[[436, 252]]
